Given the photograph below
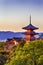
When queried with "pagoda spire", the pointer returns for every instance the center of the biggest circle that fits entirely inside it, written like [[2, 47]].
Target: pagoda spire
[[30, 19]]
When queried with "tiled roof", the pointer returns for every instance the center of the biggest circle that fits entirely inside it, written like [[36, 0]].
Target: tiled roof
[[30, 26], [30, 38], [29, 33], [17, 38], [9, 39]]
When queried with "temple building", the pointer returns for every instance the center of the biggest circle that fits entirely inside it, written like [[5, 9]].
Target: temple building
[[30, 33], [14, 40]]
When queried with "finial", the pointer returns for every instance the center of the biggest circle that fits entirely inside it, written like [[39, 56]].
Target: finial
[[30, 19]]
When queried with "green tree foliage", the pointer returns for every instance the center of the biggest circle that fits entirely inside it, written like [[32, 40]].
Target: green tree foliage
[[4, 55], [29, 54], [2, 44], [21, 43], [40, 60]]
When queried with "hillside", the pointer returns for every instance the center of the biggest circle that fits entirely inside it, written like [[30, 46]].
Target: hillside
[[9, 34]]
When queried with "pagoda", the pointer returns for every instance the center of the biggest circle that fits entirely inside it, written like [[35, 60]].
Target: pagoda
[[30, 33]]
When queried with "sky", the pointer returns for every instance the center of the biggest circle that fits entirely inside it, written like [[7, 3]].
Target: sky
[[15, 14]]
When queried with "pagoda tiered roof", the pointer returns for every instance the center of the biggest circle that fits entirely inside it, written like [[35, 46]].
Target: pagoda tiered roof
[[30, 33], [30, 26], [32, 38]]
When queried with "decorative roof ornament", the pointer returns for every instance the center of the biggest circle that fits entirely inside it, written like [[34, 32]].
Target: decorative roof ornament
[[30, 19], [30, 26]]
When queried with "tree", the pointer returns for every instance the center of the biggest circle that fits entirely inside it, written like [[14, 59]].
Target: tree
[[29, 54], [40, 60], [21, 43], [4, 57]]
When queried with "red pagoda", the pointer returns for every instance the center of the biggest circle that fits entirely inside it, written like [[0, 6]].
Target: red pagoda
[[29, 34]]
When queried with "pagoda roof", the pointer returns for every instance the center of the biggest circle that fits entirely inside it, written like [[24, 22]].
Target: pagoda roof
[[29, 33], [30, 38], [30, 26]]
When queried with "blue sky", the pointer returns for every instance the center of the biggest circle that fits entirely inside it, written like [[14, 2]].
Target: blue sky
[[14, 14]]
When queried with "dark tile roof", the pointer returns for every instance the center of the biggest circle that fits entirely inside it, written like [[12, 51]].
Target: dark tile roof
[[17, 38], [9, 39], [29, 33], [30, 26], [30, 38]]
